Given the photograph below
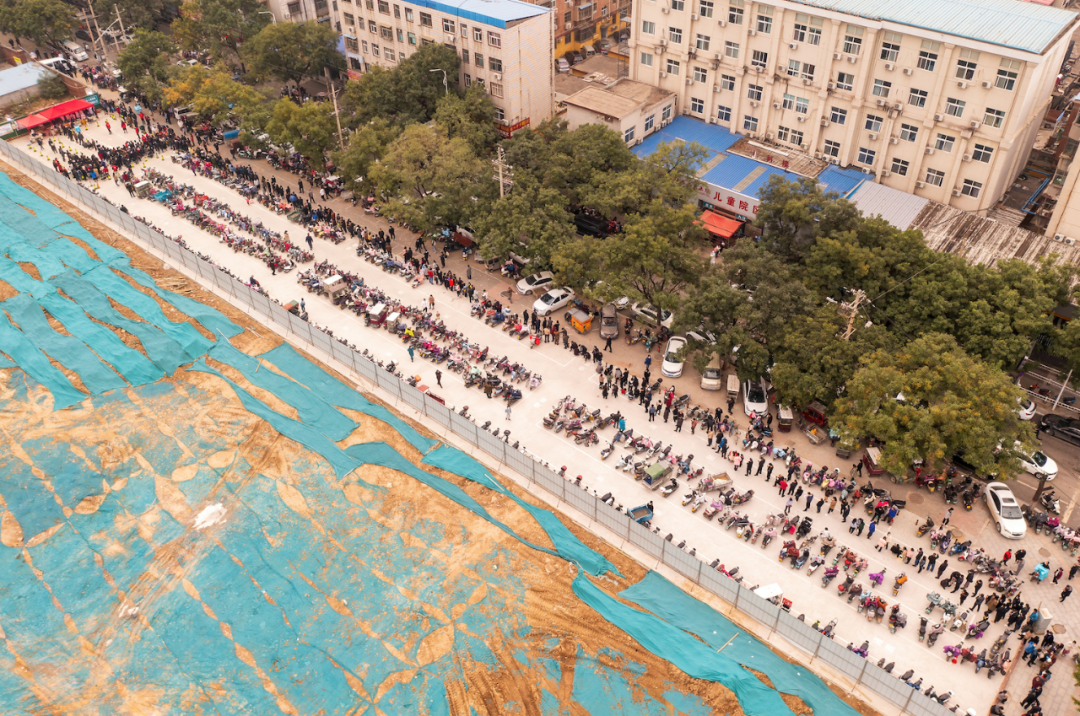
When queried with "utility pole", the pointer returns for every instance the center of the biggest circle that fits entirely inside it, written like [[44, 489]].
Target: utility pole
[[337, 116], [116, 42], [505, 181], [97, 30], [851, 310]]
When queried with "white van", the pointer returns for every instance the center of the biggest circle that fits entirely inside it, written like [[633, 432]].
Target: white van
[[588, 51], [713, 377], [75, 51]]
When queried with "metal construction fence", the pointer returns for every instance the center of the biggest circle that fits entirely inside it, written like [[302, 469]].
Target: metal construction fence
[[773, 619]]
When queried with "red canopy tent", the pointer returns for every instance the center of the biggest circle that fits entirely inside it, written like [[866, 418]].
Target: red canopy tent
[[719, 225], [65, 108], [34, 120]]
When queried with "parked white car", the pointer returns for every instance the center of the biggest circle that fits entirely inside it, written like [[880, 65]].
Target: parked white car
[[672, 366], [1005, 510], [537, 282], [1039, 464], [1027, 408], [755, 398], [553, 300]]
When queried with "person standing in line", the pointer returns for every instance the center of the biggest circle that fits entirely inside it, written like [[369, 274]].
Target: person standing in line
[[948, 515], [508, 411]]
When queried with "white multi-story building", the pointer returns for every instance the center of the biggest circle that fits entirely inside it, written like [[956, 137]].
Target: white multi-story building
[[940, 98], [504, 45]]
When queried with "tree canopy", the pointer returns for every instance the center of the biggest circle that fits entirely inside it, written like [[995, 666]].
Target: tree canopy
[[145, 62], [408, 93], [293, 51], [309, 127], [219, 25], [214, 94], [39, 20], [134, 13]]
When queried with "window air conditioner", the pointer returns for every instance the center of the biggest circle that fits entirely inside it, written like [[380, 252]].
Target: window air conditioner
[[824, 123], [792, 45], [920, 184], [929, 150], [986, 85], [939, 117], [885, 173], [966, 158], [663, 74], [890, 66], [907, 71], [962, 85], [873, 136], [956, 191]]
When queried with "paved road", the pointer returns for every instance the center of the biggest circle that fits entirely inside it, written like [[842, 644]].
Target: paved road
[[565, 375]]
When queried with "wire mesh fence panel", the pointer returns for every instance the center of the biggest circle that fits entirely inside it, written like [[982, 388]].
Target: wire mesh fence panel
[[363, 366], [719, 584], [300, 327], [644, 538], [463, 427], [611, 518], [490, 444], [242, 291], [761, 609], [224, 281], [922, 705], [387, 380], [549, 480], [259, 301], [838, 657], [798, 632], [520, 461], [281, 317], [191, 261], [320, 339], [337, 349], [886, 685], [681, 561], [582, 500], [411, 395], [437, 411]]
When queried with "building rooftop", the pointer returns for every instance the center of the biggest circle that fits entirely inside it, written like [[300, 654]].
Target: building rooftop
[[601, 101], [1010, 23], [21, 77], [489, 12], [640, 92], [566, 84]]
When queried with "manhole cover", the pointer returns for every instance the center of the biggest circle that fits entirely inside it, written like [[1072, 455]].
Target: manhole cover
[[1044, 552], [957, 534], [1058, 628], [915, 499]]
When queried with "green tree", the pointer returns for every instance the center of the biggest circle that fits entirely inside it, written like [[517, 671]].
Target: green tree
[[531, 220], [293, 51], [219, 25], [309, 127], [213, 93], [52, 87], [366, 147], [408, 93], [145, 62], [431, 180], [134, 13], [40, 20], [794, 214], [470, 116], [929, 399]]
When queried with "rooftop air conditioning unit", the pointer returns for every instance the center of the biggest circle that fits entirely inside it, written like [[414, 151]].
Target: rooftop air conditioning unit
[[939, 117], [920, 184], [986, 84], [907, 70], [893, 140], [929, 150], [890, 66], [824, 123]]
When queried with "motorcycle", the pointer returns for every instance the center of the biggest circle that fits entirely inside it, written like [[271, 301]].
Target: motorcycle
[[830, 574], [936, 631], [899, 583], [923, 621], [877, 579], [846, 584], [669, 488]]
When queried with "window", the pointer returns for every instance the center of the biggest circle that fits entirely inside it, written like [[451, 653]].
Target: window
[[845, 81], [672, 66], [799, 34], [882, 88], [349, 18], [697, 105], [649, 122], [702, 42], [374, 49], [802, 105], [477, 34], [909, 132], [408, 15], [966, 65], [749, 123], [464, 56], [873, 122], [853, 40], [701, 74], [731, 49], [425, 19], [355, 64], [789, 101], [363, 44], [727, 82], [468, 80], [899, 166], [1006, 76], [793, 68], [352, 45], [982, 153], [478, 59], [647, 28], [723, 113], [838, 116], [831, 149], [387, 33], [890, 48], [500, 115], [705, 8], [494, 39], [390, 56], [495, 64], [401, 55], [628, 135], [764, 22], [372, 27], [993, 118], [954, 107], [944, 142], [917, 97], [496, 89], [808, 71], [646, 59], [400, 35], [679, 5], [412, 39], [448, 26], [675, 35], [384, 7], [791, 136], [971, 188], [866, 156], [666, 114], [782, 133], [735, 12], [934, 177], [760, 59], [927, 60], [754, 92]]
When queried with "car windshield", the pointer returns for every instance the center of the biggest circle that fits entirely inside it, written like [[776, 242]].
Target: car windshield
[[713, 373], [1010, 512], [549, 298], [672, 356], [1037, 458], [534, 279], [608, 320], [756, 394]]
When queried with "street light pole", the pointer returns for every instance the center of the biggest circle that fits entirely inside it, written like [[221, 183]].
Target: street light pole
[[272, 16], [446, 86]]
